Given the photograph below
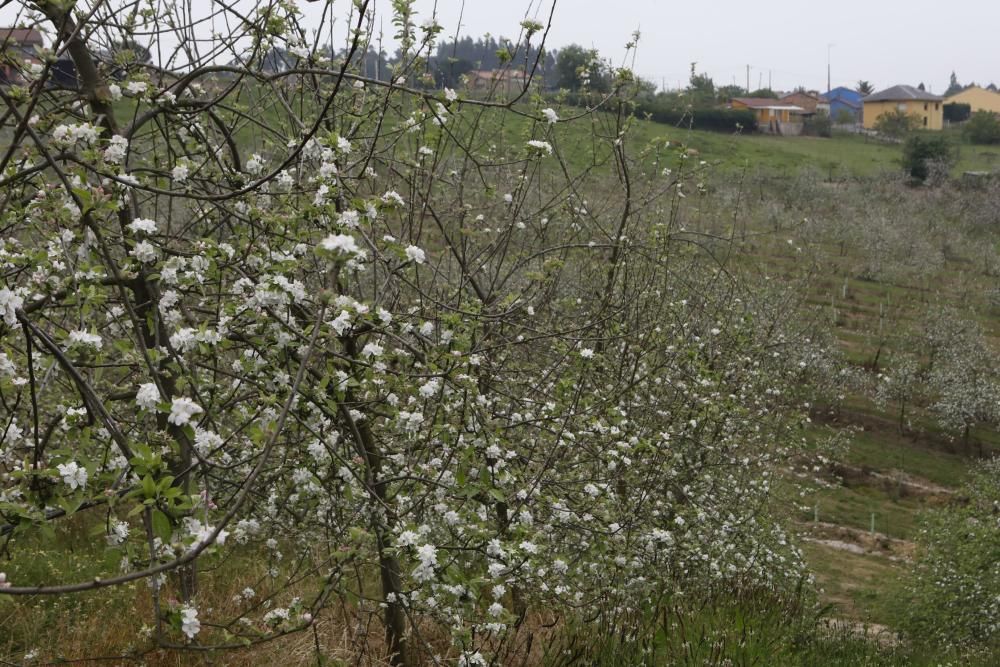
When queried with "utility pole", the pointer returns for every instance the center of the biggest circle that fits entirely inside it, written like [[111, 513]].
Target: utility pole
[[769, 87], [828, 85], [748, 79]]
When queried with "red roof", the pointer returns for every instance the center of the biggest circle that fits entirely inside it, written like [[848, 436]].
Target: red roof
[[20, 36]]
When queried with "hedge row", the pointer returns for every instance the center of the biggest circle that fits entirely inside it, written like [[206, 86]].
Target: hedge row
[[718, 120], [709, 118]]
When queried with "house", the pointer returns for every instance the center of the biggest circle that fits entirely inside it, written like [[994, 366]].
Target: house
[[811, 102], [925, 106], [980, 99], [844, 102], [505, 81], [18, 45], [772, 115]]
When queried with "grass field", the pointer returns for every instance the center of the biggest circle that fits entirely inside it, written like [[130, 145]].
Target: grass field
[[841, 156]]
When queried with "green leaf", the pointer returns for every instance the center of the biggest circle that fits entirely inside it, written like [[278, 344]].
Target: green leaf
[[161, 526], [148, 486]]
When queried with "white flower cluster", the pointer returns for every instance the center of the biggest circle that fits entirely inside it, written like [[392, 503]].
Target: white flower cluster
[[85, 339], [117, 150], [190, 625], [73, 475], [182, 409], [148, 396], [143, 225], [540, 147], [69, 136], [10, 301]]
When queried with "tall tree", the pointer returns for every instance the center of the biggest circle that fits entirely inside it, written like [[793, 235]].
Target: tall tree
[[701, 88], [953, 86], [865, 87], [578, 67]]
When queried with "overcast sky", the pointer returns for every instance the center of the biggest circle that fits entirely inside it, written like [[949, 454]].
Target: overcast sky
[[884, 41]]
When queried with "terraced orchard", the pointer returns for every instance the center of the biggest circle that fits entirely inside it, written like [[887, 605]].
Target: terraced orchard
[[302, 364]]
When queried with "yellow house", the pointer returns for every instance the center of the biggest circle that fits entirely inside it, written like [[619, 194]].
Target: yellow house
[[772, 115], [978, 98], [913, 101]]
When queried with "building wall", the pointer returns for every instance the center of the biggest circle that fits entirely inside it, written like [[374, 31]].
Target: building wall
[[807, 102], [979, 99], [767, 118], [930, 113]]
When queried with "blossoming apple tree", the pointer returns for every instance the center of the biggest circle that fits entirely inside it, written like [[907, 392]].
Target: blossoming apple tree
[[394, 342]]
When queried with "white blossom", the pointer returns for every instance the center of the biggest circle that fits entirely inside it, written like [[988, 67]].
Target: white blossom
[[190, 625], [10, 301], [372, 350], [143, 225], [415, 254], [145, 252], [540, 146], [182, 409], [116, 150], [255, 165], [73, 475], [342, 244], [148, 396], [86, 339]]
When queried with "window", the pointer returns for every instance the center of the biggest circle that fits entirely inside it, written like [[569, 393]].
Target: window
[[925, 106], [925, 121], [901, 106], [937, 105]]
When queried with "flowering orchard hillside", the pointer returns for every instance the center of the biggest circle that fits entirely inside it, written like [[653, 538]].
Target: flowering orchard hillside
[[294, 356]]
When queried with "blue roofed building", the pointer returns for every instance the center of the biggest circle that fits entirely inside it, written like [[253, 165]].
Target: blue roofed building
[[843, 99]]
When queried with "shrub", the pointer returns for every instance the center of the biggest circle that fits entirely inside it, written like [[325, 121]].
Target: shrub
[[716, 120], [845, 117], [668, 113], [819, 125], [983, 128], [957, 113], [922, 153], [896, 124]]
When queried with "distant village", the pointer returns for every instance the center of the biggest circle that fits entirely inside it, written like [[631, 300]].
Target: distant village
[[850, 108], [858, 109]]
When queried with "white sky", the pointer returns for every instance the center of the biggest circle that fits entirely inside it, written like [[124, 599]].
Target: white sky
[[884, 41]]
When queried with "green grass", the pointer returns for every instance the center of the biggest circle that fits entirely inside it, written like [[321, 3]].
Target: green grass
[[859, 587], [853, 506], [843, 155], [746, 628], [886, 450]]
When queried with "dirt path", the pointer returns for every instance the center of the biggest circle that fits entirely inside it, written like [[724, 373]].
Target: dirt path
[[861, 542]]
